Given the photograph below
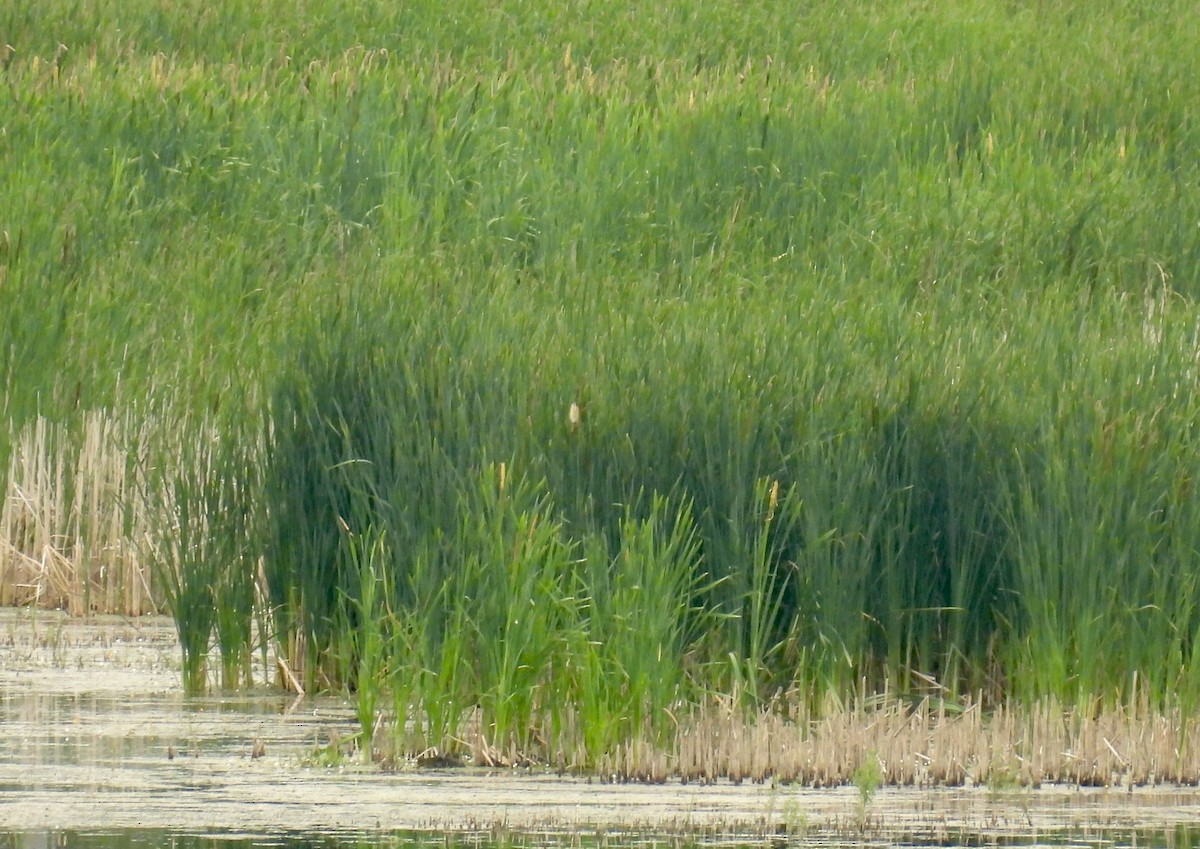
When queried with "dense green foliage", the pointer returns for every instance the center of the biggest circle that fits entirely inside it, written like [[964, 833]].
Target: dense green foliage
[[606, 355]]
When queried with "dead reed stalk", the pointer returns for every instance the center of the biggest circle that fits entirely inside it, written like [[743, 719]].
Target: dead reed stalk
[[931, 743], [71, 519]]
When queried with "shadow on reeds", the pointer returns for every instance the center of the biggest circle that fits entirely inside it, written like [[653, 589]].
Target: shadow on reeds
[[517, 570], [744, 398]]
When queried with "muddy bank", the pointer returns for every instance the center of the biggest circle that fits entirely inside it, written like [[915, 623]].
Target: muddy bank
[[98, 735]]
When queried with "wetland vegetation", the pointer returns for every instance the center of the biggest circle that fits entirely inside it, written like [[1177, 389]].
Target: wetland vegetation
[[553, 379]]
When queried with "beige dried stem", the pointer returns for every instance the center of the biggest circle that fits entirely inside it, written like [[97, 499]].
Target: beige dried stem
[[71, 518]]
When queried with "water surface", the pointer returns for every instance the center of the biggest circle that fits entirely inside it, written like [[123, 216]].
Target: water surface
[[100, 748]]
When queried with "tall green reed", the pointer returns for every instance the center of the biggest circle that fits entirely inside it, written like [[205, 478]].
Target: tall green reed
[[203, 551], [643, 613], [1097, 545], [855, 262], [512, 582], [362, 634]]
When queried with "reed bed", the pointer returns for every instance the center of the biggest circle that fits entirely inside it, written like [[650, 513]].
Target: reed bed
[[530, 365], [916, 743], [930, 744], [72, 519]]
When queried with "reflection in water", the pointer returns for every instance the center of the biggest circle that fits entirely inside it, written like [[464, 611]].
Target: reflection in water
[[99, 748], [76, 728], [1180, 837], [104, 729]]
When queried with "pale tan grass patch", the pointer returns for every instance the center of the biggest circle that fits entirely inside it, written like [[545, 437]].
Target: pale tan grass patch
[[71, 520], [928, 743]]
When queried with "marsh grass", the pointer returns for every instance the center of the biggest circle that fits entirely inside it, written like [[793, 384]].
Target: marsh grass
[[926, 744], [563, 376], [72, 515], [202, 492], [643, 612], [883, 742], [367, 633], [867, 779], [231, 545]]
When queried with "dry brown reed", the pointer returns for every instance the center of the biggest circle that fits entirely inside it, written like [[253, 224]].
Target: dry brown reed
[[927, 744], [919, 743], [72, 518]]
